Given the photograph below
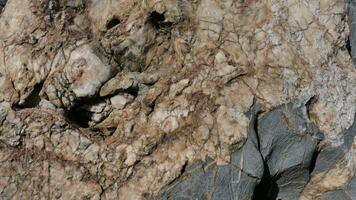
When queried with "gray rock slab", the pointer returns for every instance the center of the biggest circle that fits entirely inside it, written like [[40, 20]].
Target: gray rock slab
[[330, 156], [287, 138]]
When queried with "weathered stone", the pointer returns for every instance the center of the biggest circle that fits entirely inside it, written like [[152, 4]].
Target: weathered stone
[[348, 192], [82, 77], [121, 83], [120, 99], [11, 126], [334, 169]]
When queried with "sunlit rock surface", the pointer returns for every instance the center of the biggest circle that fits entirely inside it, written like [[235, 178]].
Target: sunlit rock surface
[[177, 99]]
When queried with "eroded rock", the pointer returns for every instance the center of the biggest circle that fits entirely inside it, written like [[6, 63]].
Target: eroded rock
[[128, 99]]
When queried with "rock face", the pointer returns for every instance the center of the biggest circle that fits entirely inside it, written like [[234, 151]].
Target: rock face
[[177, 99]]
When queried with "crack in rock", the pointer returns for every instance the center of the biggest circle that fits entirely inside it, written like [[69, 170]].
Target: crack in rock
[[279, 152]]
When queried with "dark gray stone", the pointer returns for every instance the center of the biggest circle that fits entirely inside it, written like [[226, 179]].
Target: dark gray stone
[[223, 187], [216, 182], [288, 141], [287, 138], [291, 184], [243, 186], [248, 158], [351, 188], [194, 184], [352, 25]]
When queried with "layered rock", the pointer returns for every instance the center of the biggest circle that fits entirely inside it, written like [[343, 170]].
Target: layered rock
[[109, 99]]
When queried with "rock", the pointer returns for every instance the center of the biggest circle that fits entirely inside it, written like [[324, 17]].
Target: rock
[[178, 99], [206, 180], [120, 101], [121, 82], [82, 77], [11, 127], [325, 177], [347, 192], [199, 181], [232, 125], [288, 141], [87, 71]]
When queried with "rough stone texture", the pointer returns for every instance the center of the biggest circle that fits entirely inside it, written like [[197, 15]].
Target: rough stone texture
[[279, 157], [177, 99], [237, 180], [288, 141]]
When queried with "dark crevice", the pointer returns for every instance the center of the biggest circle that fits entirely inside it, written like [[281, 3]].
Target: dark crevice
[[255, 126], [267, 189], [158, 20], [112, 23], [309, 104], [78, 115], [132, 91], [33, 99], [313, 161], [184, 168], [348, 46]]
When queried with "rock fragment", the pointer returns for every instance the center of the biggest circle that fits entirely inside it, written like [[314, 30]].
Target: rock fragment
[[82, 77]]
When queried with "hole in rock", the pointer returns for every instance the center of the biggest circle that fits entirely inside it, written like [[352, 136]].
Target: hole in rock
[[33, 99], [79, 117], [158, 20], [84, 110], [112, 23], [133, 91], [79, 113], [267, 189]]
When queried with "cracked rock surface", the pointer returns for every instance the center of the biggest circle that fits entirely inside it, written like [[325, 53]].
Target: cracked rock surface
[[177, 99]]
